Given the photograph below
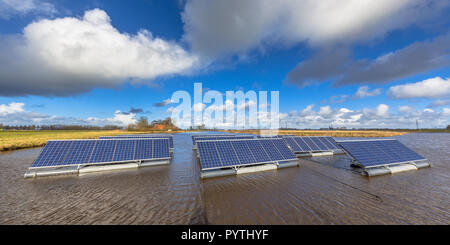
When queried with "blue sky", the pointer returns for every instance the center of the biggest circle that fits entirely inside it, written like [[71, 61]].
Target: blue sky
[[110, 62]]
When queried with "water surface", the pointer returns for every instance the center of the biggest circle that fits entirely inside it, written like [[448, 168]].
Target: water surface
[[323, 190]]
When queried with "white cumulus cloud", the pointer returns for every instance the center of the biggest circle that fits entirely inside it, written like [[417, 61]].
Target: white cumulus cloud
[[436, 87], [379, 117], [13, 107], [71, 55], [364, 91]]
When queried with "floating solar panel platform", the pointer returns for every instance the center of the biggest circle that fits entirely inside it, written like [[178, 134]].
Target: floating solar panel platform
[[236, 156], [221, 137], [312, 145], [143, 136], [382, 156], [81, 156]]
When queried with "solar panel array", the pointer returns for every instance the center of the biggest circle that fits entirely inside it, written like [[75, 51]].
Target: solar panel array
[[216, 154], [276, 136], [372, 153], [194, 136], [82, 152], [223, 137], [311, 144], [142, 136]]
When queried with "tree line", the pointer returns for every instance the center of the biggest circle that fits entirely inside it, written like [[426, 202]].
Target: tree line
[[142, 125], [58, 127]]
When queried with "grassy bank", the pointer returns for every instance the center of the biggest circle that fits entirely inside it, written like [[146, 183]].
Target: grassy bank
[[332, 133], [14, 140]]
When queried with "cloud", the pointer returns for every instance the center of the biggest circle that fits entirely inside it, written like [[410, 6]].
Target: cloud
[[379, 117], [119, 119], [133, 111], [12, 108], [438, 103], [163, 103], [217, 28], [66, 56], [364, 92], [430, 88], [405, 109], [15, 114], [9, 8], [336, 65], [336, 99]]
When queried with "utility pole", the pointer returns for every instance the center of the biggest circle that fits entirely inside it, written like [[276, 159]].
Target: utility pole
[[417, 124]]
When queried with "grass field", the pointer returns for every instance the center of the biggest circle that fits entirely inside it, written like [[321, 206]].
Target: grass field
[[332, 133], [13, 140]]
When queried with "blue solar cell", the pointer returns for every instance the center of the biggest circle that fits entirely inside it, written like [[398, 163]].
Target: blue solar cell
[[233, 137], [372, 153], [227, 154], [258, 151], [285, 152], [209, 157], [144, 149], [142, 136], [79, 152], [103, 151], [302, 144], [271, 150], [124, 150], [311, 143], [319, 143], [53, 154], [161, 148], [243, 152], [292, 144], [327, 143]]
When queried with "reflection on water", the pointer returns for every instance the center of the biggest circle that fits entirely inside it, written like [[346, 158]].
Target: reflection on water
[[323, 190]]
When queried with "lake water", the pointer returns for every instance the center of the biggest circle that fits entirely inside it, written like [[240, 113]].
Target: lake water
[[322, 190]]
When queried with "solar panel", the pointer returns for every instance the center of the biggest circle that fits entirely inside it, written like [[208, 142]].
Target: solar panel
[[209, 155], [103, 151], [53, 153], [144, 149], [240, 152], [275, 136], [124, 150], [142, 136], [209, 136], [373, 153], [79, 152], [87, 152], [160, 149], [311, 144], [258, 151], [234, 137]]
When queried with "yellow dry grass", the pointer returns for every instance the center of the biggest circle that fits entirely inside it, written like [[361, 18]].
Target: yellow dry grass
[[332, 133], [14, 140]]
